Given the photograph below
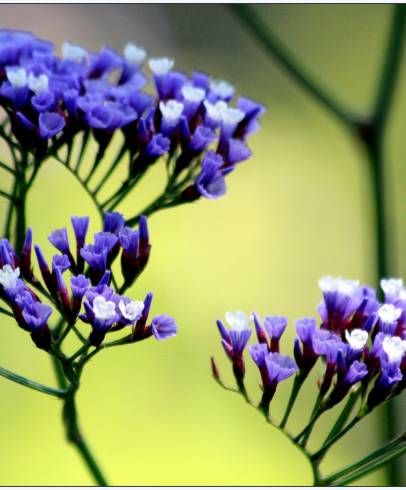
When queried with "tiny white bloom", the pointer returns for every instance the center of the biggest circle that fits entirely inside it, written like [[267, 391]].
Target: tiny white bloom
[[394, 347], [160, 66], [131, 311], [73, 52], [38, 84], [392, 287], [103, 309], [193, 94], [328, 284], [9, 277], [389, 313], [237, 320], [347, 286], [16, 76], [231, 115], [135, 55], [357, 338], [171, 110], [214, 111], [222, 88]]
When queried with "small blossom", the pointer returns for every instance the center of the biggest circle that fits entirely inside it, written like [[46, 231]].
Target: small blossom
[[394, 348], [164, 327], [9, 276], [132, 310], [160, 66], [357, 338], [134, 54], [73, 52]]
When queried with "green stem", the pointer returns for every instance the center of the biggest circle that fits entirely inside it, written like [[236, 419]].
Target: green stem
[[370, 458], [75, 437], [343, 417], [297, 384], [374, 465], [110, 170], [31, 384], [255, 24], [318, 455]]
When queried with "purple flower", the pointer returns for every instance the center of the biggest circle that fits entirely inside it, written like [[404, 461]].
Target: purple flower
[[60, 262], [275, 326], [259, 352], [157, 147], [50, 124], [237, 152], [163, 327], [279, 367], [59, 239], [80, 227], [79, 285], [35, 314], [356, 372], [211, 183], [43, 101], [113, 222]]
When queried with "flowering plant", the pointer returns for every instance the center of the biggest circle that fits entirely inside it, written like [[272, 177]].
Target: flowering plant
[[360, 344], [51, 107]]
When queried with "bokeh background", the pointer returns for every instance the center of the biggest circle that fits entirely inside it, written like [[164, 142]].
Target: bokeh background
[[298, 210]]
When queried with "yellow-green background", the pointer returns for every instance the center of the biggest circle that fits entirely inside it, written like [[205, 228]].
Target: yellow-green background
[[299, 209]]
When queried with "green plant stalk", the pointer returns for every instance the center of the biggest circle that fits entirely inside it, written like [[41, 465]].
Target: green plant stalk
[[33, 385], [297, 384], [343, 417], [370, 458]]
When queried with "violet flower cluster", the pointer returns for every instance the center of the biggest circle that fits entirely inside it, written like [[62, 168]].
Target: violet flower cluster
[[192, 121], [360, 341], [77, 283]]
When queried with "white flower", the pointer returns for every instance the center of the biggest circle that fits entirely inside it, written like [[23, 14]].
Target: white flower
[[131, 311], [193, 94], [389, 313], [160, 66], [16, 76], [171, 110], [394, 347], [237, 320], [394, 288], [103, 309], [73, 52], [214, 111], [231, 115], [357, 338], [330, 284], [134, 55], [222, 88], [38, 84], [9, 277]]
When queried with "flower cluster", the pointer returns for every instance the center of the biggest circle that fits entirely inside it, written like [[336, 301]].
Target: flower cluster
[[190, 120], [87, 294], [359, 340]]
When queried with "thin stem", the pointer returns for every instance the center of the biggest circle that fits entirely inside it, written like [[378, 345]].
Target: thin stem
[[263, 34], [371, 457], [7, 168], [31, 384], [8, 196], [343, 417], [391, 66], [318, 455], [75, 437], [3, 311], [299, 379], [110, 170], [374, 465]]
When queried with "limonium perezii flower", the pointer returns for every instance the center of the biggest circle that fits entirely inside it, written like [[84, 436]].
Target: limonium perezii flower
[[197, 123], [359, 343], [87, 294]]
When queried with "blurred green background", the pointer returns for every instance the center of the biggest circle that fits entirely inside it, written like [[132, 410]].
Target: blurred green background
[[298, 210]]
